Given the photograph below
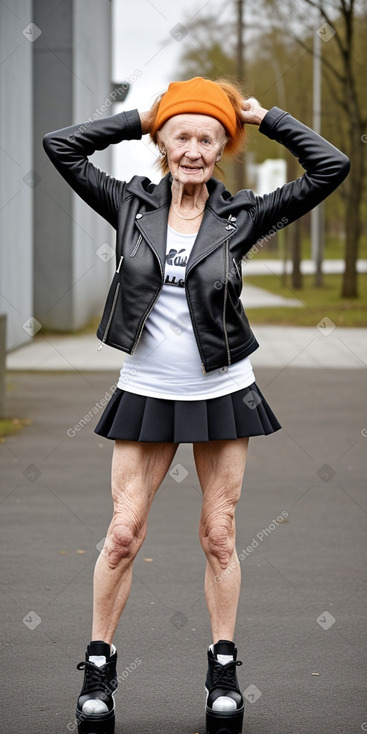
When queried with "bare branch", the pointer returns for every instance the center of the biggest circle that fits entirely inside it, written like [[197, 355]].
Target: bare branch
[[331, 83], [319, 6], [326, 62], [344, 6]]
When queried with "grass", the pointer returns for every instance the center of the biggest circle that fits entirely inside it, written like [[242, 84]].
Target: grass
[[334, 249], [10, 426], [318, 302], [89, 328]]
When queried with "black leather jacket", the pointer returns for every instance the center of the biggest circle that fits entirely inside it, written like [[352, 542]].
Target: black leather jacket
[[231, 225]]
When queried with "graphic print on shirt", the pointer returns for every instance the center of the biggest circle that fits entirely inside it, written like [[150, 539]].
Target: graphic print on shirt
[[170, 365], [176, 261]]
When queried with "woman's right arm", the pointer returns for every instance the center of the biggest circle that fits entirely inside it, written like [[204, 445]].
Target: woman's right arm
[[69, 148]]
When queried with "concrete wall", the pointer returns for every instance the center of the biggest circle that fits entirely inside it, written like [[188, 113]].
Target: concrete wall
[[72, 73], [55, 70], [16, 180], [92, 68], [53, 109]]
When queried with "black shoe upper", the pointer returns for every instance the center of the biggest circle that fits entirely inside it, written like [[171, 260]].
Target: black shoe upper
[[99, 682], [221, 680]]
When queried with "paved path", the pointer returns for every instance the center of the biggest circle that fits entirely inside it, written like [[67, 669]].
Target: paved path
[[254, 297], [301, 629], [315, 347], [256, 266]]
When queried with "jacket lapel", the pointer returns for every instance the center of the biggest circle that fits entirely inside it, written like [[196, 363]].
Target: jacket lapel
[[212, 233], [152, 220], [153, 226]]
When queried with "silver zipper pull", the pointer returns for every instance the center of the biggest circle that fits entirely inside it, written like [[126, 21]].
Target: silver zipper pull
[[119, 265], [100, 346]]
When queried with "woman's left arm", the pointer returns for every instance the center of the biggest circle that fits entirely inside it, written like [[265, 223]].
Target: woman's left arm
[[325, 167]]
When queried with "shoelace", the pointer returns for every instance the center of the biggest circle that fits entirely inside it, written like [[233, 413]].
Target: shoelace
[[96, 678], [225, 675]]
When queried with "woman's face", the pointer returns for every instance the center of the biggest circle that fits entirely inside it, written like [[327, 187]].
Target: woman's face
[[193, 144]]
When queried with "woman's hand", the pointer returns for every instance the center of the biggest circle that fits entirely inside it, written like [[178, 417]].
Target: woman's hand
[[253, 113]]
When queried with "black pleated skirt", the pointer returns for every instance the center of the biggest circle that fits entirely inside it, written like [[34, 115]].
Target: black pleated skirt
[[139, 418]]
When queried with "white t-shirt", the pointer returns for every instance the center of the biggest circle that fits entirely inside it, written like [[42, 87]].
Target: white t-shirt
[[166, 362]]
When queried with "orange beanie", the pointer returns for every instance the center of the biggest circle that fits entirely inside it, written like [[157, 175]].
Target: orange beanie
[[200, 96]]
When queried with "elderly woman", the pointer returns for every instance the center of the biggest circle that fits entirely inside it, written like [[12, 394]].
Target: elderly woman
[[174, 308]]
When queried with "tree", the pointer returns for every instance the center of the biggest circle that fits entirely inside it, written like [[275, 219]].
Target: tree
[[280, 73], [344, 61], [275, 73]]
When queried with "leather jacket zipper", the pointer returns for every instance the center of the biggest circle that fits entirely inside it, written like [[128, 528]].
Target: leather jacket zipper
[[226, 275], [138, 243], [189, 304], [115, 297], [224, 305], [120, 263], [137, 340], [237, 268], [195, 329], [150, 309]]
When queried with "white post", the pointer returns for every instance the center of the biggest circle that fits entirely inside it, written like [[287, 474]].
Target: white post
[[316, 214]]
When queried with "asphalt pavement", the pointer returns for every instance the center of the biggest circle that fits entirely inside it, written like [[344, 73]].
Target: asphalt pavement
[[301, 631]]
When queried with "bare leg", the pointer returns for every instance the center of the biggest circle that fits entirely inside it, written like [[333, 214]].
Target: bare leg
[[138, 470], [220, 466]]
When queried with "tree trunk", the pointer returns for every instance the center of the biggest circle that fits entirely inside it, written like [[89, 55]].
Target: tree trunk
[[240, 162], [294, 231], [296, 253], [355, 181], [239, 171], [353, 216]]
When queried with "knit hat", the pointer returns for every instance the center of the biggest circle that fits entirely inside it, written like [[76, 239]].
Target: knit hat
[[200, 96]]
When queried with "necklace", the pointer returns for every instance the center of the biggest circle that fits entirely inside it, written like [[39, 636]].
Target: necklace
[[188, 218]]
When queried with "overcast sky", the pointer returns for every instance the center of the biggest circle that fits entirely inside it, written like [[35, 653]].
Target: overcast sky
[[147, 38]]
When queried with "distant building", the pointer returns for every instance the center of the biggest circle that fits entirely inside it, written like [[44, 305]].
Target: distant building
[[271, 174]]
